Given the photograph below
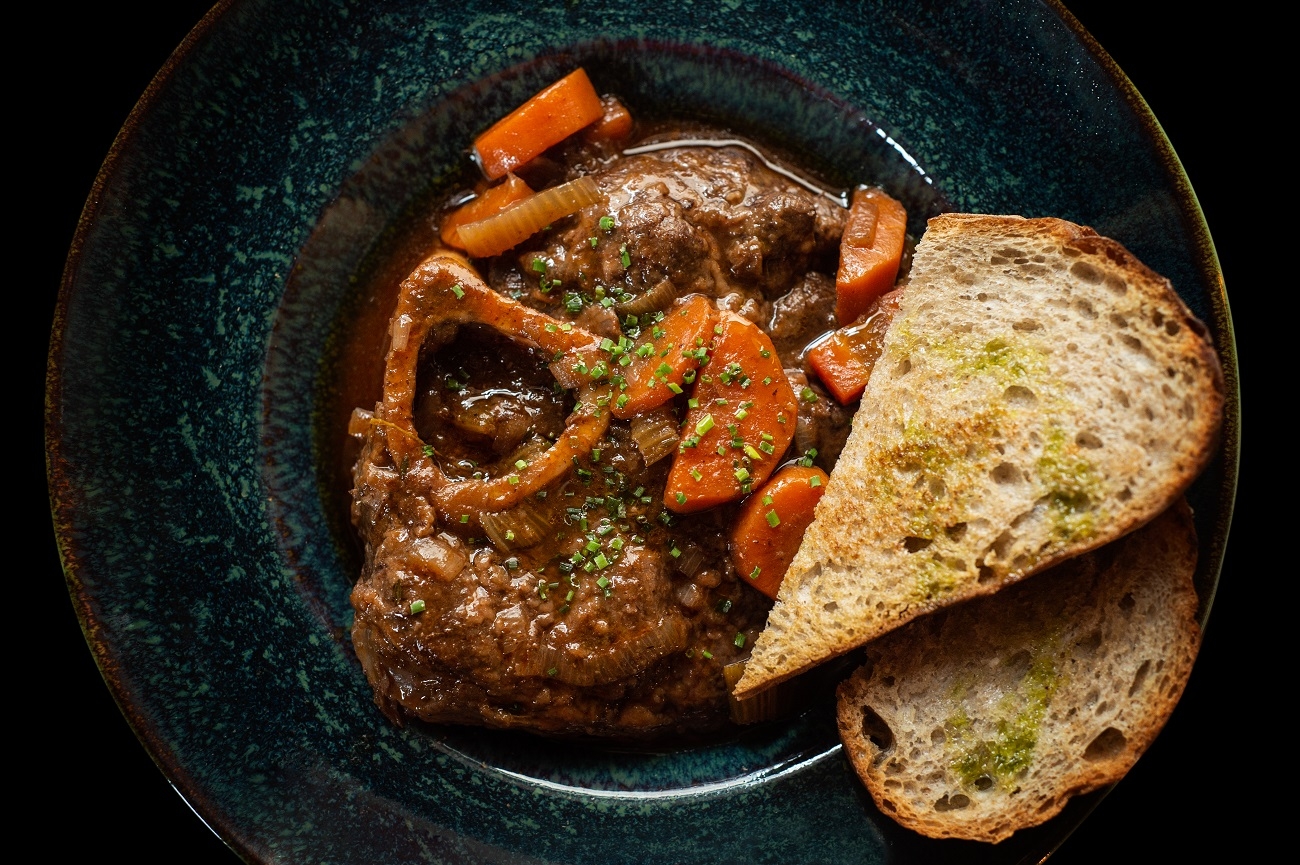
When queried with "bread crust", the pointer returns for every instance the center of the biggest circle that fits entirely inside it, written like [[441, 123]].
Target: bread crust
[[1040, 393], [987, 718]]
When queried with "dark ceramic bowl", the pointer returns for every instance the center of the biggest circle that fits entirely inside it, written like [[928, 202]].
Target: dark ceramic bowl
[[196, 344]]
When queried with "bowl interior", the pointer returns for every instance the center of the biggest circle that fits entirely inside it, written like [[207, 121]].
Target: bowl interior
[[198, 465]]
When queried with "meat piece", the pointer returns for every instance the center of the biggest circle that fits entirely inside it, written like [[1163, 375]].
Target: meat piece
[[711, 221], [588, 609], [823, 423], [572, 621], [801, 315]]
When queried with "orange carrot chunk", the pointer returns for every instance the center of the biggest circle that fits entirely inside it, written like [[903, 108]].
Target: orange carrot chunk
[[488, 203], [843, 359], [614, 125], [870, 252], [665, 355], [543, 121], [770, 527], [739, 421]]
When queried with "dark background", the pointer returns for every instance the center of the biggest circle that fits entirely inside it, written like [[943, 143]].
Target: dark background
[[98, 784]]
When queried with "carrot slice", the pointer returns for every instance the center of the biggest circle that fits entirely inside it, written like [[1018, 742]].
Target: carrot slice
[[843, 359], [664, 355], [870, 252], [543, 121], [614, 125], [490, 202], [770, 527], [741, 419]]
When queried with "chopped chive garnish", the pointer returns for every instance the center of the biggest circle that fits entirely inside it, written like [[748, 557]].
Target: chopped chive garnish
[[521, 464], [807, 395], [739, 642], [704, 424], [514, 479], [706, 653], [681, 498], [624, 256], [692, 403], [695, 473], [458, 291], [417, 607], [753, 575], [814, 481], [607, 222], [772, 519], [675, 388], [751, 453]]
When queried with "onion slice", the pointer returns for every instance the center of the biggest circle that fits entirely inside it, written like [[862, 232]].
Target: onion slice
[[655, 434], [776, 702], [658, 297], [514, 225], [522, 526]]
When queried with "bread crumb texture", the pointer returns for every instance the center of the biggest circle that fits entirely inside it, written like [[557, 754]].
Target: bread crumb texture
[[1039, 393], [985, 719]]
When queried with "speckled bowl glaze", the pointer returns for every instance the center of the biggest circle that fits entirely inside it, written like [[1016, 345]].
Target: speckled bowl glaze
[[197, 340]]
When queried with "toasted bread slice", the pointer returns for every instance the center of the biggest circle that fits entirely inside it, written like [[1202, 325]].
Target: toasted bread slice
[[986, 718], [1039, 393]]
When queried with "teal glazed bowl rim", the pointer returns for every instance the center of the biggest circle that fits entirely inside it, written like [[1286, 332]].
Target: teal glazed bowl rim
[[266, 167]]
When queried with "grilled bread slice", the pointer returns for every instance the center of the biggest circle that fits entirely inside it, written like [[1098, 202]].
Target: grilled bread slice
[[986, 718], [1040, 392]]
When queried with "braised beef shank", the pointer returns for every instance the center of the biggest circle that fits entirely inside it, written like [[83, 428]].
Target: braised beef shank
[[587, 609]]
